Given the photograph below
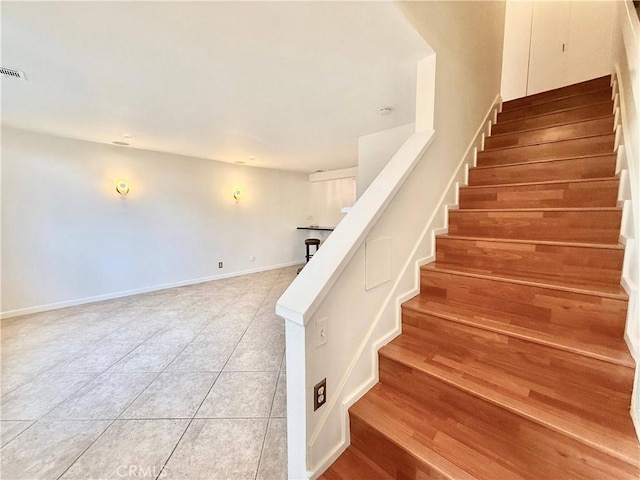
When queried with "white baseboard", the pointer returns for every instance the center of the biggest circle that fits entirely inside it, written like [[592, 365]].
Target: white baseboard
[[137, 291]]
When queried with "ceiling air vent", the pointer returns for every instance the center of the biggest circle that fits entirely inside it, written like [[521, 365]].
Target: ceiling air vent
[[11, 73]]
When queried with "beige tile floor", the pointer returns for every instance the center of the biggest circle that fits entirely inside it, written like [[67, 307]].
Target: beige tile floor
[[185, 383]]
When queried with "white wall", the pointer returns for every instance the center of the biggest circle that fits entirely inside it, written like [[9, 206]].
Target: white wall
[[467, 38], [375, 151], [67, 236], [517, 40], [329, 192]]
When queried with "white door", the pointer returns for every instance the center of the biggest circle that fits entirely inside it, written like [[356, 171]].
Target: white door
[[570, 43], [549, 38]]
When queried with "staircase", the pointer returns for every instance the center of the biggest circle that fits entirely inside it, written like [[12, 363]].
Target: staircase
[[511, 363]]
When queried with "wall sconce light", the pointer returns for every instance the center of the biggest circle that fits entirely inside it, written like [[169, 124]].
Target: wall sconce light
[[122, 187], [237, 193]]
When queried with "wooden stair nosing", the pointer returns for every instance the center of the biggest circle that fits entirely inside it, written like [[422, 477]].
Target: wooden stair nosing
[[623, 359], [540, 117], [587, 93], [621, 295], [610, 116], [554, 421], [593, 85]]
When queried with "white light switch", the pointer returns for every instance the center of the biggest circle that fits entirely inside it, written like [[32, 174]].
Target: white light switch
[[321, 331]]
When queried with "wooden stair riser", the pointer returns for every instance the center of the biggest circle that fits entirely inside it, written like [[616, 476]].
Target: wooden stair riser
[[578, 114], [567, 169], [583, 342], [523, 304], [593, 265], [567, 103], [581, 88], [602, 193], [462, 429], [458, 389], [586, 226], [393, 459], [564, 225], [600, 126], [353, 464], [596, 145]]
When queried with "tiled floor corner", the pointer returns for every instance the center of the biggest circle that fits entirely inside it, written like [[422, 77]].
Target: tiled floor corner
[[184, 383]]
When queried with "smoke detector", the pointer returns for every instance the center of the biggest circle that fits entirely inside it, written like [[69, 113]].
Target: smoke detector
[[11, 73], [384, 111]]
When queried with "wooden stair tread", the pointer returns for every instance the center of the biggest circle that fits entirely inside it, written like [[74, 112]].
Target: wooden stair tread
[[607, 291], [609, 246], [544, 182], [609, 116], [566, 131], [545, 160], [557, 105], [461, 440], [583, 398], [570, 148], [580, 193], [535, 170], [543, 142], [569, 338], [354, 465], [580, 88], [541, 209], [560, 117]]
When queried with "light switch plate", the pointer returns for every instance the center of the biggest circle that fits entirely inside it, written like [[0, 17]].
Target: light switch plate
[[320, 332]]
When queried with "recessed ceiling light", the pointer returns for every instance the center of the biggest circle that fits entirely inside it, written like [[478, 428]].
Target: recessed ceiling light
[[122, 144], [384, 111], [127, 136]]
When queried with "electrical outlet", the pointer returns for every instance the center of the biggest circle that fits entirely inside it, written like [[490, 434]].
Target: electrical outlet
[[320, 394], [220, 265], [321, 331]]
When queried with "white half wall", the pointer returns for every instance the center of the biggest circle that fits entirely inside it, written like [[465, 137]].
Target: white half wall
[[375, 151], [68, 237]]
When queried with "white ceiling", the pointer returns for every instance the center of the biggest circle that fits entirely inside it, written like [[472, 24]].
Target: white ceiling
[[292, 84]]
